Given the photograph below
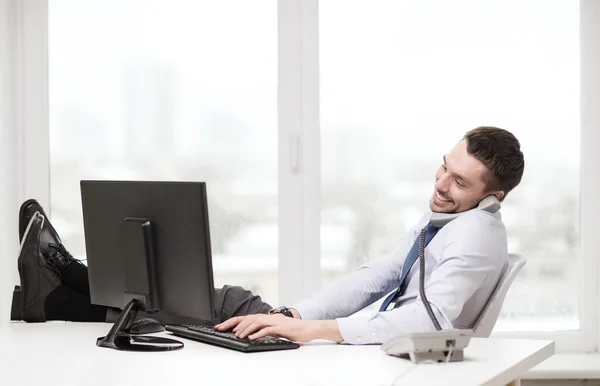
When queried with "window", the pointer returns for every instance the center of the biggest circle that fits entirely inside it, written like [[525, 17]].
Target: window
[[171, 90], [401, 82], [327, 118]]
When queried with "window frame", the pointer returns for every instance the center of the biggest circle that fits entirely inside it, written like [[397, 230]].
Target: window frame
[[299, 149], [31, 99]]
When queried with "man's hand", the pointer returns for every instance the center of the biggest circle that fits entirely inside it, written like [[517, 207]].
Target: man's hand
[[280, 326]]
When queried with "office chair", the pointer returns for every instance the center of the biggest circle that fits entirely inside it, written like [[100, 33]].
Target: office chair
[[489, 315]]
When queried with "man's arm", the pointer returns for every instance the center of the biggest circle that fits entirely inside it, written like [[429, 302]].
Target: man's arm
[[357, 290]]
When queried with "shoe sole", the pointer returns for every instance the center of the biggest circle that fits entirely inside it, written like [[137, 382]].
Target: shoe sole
[[15, 309], [20, 264]]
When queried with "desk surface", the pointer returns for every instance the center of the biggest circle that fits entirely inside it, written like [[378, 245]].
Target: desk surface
[[58, 353]]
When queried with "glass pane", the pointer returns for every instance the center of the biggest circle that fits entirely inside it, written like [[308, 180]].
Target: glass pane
[[402, 81], [171, 90]]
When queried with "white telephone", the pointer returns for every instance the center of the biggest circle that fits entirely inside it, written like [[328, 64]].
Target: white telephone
[[489, 204], [439, 345]]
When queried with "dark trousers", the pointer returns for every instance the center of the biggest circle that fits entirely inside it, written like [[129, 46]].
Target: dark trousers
[[233, 301], [71, 301]]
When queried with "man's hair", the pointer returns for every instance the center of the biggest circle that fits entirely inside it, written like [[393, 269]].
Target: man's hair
[[500, 151]]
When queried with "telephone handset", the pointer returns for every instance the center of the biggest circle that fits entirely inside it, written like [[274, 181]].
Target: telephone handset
[[489, 204]]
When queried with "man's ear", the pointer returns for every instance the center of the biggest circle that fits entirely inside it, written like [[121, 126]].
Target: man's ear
[[499, 194]]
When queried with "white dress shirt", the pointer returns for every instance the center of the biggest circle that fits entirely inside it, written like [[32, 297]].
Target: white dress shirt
[[463, 263]]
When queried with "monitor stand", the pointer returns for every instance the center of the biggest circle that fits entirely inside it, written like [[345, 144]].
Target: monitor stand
[[141, 292], [120, 338]]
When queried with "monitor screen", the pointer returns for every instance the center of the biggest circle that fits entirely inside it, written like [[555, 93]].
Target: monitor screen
[[180, 270]]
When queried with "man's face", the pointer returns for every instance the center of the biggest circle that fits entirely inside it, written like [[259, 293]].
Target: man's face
[[459, 182]]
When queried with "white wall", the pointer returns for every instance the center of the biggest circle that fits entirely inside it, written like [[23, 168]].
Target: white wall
[[9, 181]]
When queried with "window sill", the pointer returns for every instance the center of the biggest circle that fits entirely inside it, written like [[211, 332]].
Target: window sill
[[567, 366]]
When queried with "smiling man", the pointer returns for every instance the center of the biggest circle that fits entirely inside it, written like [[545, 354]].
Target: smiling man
[[463, 260]]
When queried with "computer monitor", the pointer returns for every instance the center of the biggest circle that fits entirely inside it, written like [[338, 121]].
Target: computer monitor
[[148, 249]]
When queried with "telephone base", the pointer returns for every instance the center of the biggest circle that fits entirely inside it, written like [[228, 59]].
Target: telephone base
[[435, 356], [436, 346]]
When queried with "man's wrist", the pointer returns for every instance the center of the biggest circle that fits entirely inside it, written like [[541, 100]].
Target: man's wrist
[[283, 311], [328, 330], [289, 312]]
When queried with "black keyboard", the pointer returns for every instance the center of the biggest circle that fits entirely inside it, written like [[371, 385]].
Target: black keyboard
[[208, 334]]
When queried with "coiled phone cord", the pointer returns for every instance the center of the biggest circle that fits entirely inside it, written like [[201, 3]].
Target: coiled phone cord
[[422, 280]]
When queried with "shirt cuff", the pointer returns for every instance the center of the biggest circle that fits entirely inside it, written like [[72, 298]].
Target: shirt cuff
[[308, 310], [358, 330]]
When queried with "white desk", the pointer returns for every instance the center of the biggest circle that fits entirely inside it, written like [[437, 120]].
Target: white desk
[[58, 353]]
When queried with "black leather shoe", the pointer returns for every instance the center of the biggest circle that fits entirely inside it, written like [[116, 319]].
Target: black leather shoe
[[50, 243], [38, 278]]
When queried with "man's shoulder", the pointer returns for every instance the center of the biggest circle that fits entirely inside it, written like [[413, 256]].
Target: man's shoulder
[[477, 217], [480, 230]]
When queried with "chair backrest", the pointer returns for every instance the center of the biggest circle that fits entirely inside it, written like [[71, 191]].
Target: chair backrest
[[489, 315]]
